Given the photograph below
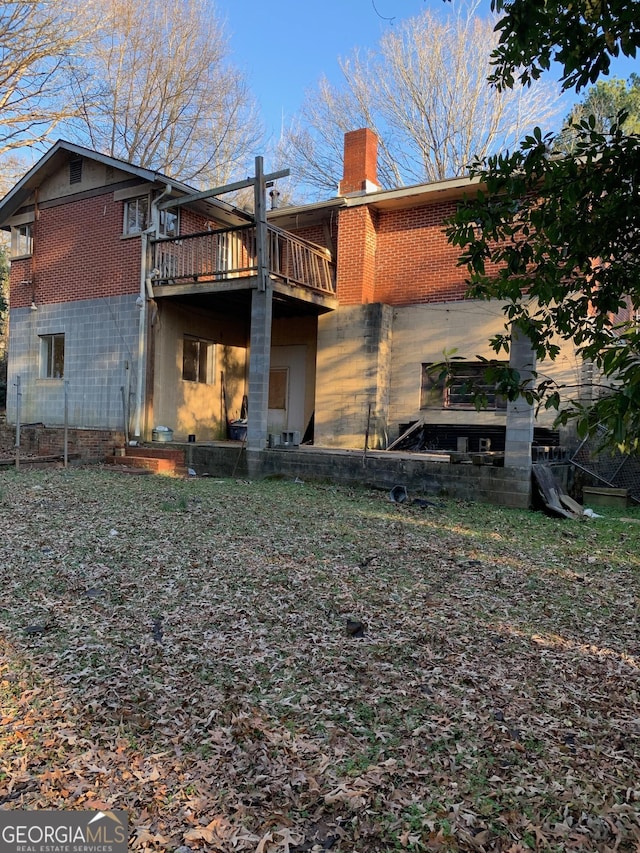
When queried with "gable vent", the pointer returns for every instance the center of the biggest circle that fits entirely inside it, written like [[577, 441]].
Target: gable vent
[[75, 171]]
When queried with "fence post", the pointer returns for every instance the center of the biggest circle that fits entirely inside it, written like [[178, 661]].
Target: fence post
[[66, 422]]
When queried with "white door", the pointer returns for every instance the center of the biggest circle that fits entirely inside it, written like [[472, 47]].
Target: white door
[[286, 389]]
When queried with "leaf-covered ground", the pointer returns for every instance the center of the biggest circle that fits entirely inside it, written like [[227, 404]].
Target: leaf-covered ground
[[181, 649]]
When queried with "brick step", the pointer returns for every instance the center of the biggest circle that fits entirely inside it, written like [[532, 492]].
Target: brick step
[[142, 451], [156, 465]]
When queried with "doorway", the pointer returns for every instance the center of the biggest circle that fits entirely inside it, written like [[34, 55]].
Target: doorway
[[287, 389]]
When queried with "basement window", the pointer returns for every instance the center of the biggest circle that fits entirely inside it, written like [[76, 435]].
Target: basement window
[[455, 386], [136, 214], [52, 356], [198, 362]]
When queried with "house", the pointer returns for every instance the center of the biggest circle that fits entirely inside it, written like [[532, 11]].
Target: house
[[136, 301]]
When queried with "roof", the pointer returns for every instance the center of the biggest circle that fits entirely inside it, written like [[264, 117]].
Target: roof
[[394, 199], [55, 157]]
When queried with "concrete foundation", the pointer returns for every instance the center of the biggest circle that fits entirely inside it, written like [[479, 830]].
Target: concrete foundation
[[378, 469], [420, 476]]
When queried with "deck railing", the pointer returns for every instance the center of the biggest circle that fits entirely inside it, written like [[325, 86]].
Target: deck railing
[[230, 253]]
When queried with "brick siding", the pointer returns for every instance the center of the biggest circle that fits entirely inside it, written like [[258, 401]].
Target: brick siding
[[90, 445], [360, 161], [79, 253], [414, 262], [357, 239]]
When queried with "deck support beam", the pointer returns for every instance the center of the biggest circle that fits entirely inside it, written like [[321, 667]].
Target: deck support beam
[[261, 317], [520, 413]]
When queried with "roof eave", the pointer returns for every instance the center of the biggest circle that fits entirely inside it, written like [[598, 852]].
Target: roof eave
[[18, 195]]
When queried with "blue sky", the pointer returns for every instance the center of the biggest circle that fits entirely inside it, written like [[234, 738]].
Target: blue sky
[[284, 46]]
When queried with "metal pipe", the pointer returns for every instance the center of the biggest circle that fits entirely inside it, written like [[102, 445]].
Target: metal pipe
[[18, 401], [141, 301]]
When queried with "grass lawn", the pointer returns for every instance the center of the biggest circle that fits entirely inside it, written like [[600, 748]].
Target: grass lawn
[[180, 649]]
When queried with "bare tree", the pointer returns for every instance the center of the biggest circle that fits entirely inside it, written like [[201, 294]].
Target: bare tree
[[37, 40], [424, 91], [157, 89]]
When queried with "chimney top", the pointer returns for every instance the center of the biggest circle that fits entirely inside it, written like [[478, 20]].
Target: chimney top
[[360, 163]]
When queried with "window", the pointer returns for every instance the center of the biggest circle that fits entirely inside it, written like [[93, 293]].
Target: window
[[455, 386], [51, 356], [136, 215], [197, 360], [169, 223], [278, 382], [21, 240]]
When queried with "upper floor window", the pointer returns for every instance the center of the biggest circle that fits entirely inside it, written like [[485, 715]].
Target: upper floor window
[[136, 214], [458, 385], [52, 356], [169, 223], [21, 240]]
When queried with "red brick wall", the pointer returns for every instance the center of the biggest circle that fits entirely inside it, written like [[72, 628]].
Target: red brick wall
[[20, 294], [91, 445], [193, 223], [414, 262], [360, 160], [79, 253], [356, 261], [317, 234]]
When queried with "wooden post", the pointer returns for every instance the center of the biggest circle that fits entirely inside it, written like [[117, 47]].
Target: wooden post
[[260, 202]]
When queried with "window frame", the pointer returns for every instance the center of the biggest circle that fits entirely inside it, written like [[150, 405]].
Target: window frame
[[163, 229], [202, 369], [278, 388], [141, 202], [453, 386], [48, 357]]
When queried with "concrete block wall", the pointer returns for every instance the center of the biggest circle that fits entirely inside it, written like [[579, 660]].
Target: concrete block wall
[[521, 414], [501, 486], [101, 344], [424, 334], [353, 373]]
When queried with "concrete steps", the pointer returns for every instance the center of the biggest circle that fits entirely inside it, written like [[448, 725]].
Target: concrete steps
[[153, 460]]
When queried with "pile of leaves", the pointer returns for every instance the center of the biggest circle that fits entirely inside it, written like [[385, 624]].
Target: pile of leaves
[[282, 666]]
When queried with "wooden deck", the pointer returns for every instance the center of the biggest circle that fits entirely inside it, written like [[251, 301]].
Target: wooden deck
[[226, 260]]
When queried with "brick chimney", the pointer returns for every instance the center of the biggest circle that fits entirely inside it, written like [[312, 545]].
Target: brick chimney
[[360, 163]]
